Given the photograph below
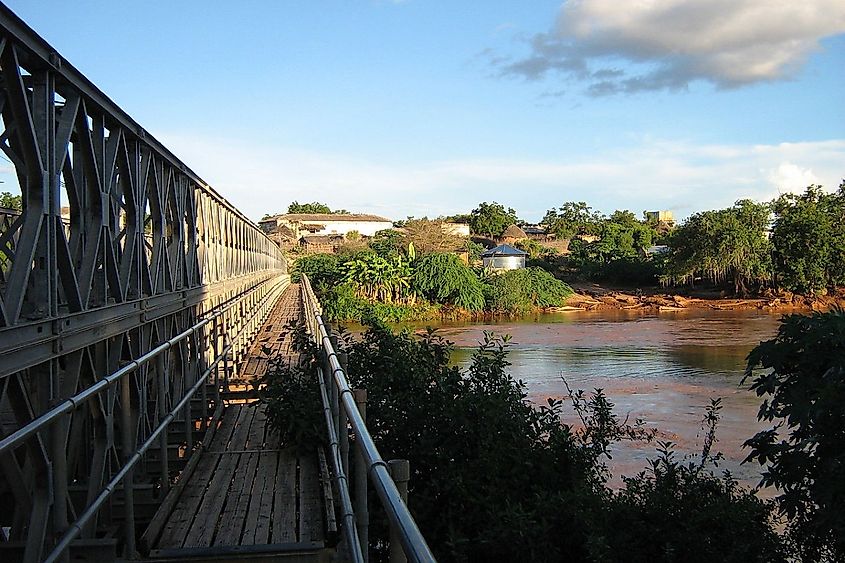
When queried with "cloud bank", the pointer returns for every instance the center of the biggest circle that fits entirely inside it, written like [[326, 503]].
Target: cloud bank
[[649, 174], [646, 45]]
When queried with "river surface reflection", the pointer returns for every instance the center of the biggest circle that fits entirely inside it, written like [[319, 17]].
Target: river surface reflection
[[661, 368]]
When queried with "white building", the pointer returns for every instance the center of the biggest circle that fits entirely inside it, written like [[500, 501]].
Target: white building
[[327, 223], [456, 229]]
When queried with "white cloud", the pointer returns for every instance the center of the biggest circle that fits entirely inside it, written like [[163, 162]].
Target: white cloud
[[667, 44], [678, 175], [789, 177]]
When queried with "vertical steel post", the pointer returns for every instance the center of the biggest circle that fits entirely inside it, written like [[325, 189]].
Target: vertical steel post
[[360, 481], [226, 361], [215, 346], [335, 396], [204, 392], [400, 472], [187, 368], [128, 450], [343, 423], [162, 412]]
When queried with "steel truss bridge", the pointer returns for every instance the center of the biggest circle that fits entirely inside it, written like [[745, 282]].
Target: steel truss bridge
[[122, 321]]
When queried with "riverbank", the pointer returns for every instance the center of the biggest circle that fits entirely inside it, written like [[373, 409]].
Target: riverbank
[[594, 297]]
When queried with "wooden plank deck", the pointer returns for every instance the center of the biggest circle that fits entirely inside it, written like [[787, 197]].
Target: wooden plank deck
[[273, 337], [247, 493]]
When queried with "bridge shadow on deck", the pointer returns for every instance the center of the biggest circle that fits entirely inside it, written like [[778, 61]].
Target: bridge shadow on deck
[[248, 496]]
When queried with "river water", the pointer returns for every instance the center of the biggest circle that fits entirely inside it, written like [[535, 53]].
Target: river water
[[662, 368]]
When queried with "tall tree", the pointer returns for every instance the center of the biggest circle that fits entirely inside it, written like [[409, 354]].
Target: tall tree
[[809, 239], [491, 219], [313, 207], [10, 201], [724, 245], [572, 218]]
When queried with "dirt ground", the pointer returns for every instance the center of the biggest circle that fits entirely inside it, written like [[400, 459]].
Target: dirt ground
[[595, 297]]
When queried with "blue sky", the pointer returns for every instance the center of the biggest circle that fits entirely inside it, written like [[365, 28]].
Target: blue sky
[[428, 107]]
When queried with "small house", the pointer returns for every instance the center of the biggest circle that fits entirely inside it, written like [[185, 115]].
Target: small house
[[503, 257]]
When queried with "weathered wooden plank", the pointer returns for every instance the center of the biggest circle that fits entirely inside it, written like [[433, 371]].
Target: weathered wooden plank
[[284, 498], [257, 526], [164, 511], [173, 533], [310, 503], [237, 505], [202, 530], [258, 432]]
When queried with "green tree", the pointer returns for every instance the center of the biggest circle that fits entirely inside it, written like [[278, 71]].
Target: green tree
[[803, 380], [572, 218], [809, 240], [314, 207], [491, 219], [386, 242], [387, 280], [324, 270], [443, 278], [10, 201], [458, 218], [728, 245]]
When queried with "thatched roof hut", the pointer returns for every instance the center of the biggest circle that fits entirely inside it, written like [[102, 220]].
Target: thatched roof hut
[[513, 234]]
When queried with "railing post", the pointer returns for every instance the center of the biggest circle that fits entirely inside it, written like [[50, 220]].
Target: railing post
[[335, 394], [400, 472], [361, 510], [162, 413], [204, 392], [226, 361], [128, 451], [343, 423]]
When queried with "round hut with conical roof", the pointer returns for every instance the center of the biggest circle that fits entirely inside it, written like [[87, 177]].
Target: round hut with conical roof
[[513, 234]]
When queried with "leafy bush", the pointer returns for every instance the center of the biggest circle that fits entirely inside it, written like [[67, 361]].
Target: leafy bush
[[681, 511], [520, 291], [497, 478], [443, 278], [489, 471], [341, 303], [804, 381], [321, 269], [294, 407]]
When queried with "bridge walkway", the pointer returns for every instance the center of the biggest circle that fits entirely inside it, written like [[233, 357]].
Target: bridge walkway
[[248, 495]]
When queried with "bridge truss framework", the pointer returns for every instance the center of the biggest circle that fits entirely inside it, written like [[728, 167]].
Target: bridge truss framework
[[149, 258]]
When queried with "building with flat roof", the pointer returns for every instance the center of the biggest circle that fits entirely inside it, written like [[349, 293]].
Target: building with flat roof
[[303, 224]]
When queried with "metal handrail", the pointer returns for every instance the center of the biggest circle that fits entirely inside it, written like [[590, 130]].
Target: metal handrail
[[413, 542], [350, 529], [72, 403], [76, 527]]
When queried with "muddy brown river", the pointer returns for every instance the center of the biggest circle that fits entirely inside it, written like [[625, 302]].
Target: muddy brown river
[[661, 368]]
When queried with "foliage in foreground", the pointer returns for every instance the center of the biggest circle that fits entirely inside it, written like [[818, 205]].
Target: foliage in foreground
[[497, 478], [803, 381]]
